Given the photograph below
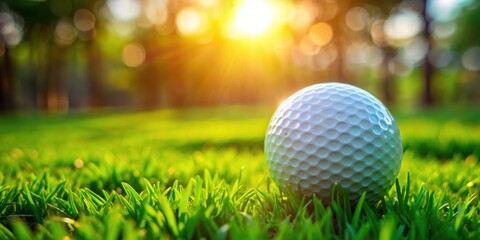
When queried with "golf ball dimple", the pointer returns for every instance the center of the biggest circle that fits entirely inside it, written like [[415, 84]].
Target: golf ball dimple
[[333, 134]]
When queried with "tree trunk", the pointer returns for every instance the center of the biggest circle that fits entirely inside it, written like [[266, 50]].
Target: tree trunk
[[150, 73], [149, 86], [338, 39], [94, 72], [57, 99], [41, 59], [6, 83], [96, 90], [387, 80], [340, 60], [177, 82], [428, 98]]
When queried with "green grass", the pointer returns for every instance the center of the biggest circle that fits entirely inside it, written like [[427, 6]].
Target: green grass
[[202, 174]]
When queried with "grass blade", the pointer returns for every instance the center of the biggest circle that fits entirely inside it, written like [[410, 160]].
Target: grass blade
[[168, 213], [5, 233]]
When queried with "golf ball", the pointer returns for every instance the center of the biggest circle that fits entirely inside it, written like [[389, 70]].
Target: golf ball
[[332, 134]]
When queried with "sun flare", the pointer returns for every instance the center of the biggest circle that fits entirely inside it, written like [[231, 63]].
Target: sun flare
[[253, 17]]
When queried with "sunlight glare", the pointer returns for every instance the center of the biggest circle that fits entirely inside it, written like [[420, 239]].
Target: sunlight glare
[[124, 10], [403, 25], [190, 21], [253, 17]]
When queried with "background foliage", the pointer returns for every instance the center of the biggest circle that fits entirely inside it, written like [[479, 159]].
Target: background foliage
[[64, 54]]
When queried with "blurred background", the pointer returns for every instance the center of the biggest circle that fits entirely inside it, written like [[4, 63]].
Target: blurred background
[[60, 55]]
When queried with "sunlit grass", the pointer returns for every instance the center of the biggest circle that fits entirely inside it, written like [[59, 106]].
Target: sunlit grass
[[202, 173]]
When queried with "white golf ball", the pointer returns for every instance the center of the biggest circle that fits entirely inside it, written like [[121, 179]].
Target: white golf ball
[[333, 134]]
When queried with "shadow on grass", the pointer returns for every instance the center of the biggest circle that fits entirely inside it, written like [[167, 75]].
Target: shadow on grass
[[420, 147]]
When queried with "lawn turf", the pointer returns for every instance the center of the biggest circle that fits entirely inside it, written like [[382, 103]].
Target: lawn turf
[[202, 173]]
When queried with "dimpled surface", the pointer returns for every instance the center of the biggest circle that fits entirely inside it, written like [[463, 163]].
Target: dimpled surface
[[333, 133]]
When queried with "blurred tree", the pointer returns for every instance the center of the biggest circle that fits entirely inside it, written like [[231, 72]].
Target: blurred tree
[[206, 65], [467, 43], [6, 81], [39, 23], [151, 73], [428, 71], [6, 63], [51, 31], [162, 76], [382, 9], [340, 39], [95, 71], [387, 82], [465, 36]]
